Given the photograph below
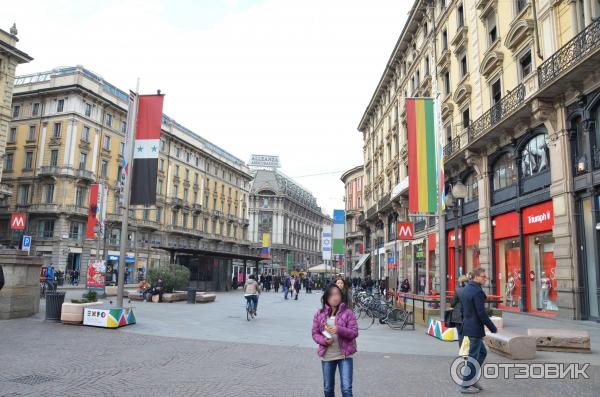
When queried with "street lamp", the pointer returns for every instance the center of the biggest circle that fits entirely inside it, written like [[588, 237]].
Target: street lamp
[[379, 235], [454, 199]]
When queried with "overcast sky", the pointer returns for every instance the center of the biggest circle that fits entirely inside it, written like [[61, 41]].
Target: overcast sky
[[278, 77]]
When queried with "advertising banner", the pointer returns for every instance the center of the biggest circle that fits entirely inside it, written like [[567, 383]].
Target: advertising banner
[[96, 273], [326, 243]]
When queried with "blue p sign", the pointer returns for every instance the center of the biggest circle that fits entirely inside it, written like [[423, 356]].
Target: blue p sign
[[26, 245]]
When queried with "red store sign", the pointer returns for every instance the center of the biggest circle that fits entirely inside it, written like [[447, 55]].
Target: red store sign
[[538, 218], [406, 231]]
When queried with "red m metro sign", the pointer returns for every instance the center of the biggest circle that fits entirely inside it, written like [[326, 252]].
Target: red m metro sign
[[405, 231], [17, 221]]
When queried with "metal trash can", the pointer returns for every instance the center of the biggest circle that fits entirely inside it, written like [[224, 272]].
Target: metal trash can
[[54, 301], [191, 297]]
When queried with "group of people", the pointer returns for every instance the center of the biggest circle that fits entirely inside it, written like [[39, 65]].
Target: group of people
[[149, 291]]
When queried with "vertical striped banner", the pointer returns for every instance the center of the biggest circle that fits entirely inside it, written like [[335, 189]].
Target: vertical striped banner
[[422, 155], [265, 251]]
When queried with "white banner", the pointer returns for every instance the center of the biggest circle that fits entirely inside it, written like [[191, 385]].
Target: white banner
[[326, 243]]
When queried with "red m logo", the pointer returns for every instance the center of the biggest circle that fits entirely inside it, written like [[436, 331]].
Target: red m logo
[[17, 222], [405, 231]]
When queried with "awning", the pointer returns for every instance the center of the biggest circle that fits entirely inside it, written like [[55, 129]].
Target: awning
[[361, 262]]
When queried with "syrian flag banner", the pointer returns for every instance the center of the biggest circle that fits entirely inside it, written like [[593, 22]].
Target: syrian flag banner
[[145, 151]]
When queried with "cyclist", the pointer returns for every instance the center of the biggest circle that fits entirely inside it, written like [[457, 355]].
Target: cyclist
[[251, 291]]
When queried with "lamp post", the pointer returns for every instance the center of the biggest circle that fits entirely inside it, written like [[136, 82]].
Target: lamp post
[[454, 200], [379, 234]]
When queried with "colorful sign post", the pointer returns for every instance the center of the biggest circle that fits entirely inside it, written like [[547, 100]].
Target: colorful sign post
[[326, 243], [108, 318], [339, 220], [266, 246]]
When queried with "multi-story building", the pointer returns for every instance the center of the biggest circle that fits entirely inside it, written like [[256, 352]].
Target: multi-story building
[[353, 200], [10, 57], [289, 213], [67, 132], [518, 87]]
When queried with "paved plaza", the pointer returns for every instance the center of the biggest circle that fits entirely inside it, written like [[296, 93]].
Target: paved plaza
[[178, 349]]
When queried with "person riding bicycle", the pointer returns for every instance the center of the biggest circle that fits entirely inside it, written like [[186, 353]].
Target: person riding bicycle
[[251, 291]]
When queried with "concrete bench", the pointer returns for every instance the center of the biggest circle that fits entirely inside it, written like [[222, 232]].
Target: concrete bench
[[561, 340], [508, 344], [203, 297], [72, 313]]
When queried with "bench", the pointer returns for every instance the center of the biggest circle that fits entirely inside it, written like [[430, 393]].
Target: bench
[[204, 297], [511, 345], [72, 313], [561, 340]]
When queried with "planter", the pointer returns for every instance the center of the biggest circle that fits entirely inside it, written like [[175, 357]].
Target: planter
[[72, 313]]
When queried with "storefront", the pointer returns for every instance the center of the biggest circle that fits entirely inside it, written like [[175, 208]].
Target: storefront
[[525, 264], [431, 267], [588, 231], [420, 275], [468, 253]]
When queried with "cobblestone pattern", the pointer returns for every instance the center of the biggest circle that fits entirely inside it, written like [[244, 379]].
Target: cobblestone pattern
[[117, 363]]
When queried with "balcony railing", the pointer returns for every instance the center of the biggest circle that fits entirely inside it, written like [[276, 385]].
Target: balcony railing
[[76, 209], [497, 113], [383, 200], [85, 174], [586, 42]]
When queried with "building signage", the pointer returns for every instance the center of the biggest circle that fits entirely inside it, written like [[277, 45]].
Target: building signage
[[264, 161], [406, 231], [326, 243], [26, 243], [17, 221], [538, 218], [108, 318]]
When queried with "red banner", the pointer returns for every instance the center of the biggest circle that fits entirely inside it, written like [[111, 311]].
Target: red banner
[[92, 212], [506, 225]]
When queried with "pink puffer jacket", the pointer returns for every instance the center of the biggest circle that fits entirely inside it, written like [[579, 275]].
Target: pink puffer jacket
[[347, 330]]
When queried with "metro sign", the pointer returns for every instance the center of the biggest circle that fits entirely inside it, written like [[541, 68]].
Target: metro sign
[[406, 231], [17, 221]]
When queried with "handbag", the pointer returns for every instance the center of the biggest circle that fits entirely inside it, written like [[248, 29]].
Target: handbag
[[448, 319]]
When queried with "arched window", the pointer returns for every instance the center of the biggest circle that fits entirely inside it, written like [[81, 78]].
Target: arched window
[[534, 157], [504, 172], [472, 187]]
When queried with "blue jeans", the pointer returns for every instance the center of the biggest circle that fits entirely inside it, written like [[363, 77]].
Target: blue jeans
[[478, 351], [329, 367], [254, 300], [285, 292]]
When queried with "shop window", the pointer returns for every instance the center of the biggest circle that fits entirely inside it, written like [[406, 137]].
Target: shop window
[[509, 271], [504, 172], [534, 157], [541, 273], [472, 187], [582, 145]]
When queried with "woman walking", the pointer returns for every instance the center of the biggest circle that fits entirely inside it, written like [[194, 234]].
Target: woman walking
[[346, 293], [335, 330]]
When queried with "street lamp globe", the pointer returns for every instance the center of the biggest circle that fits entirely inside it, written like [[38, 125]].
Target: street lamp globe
[[459, 190], [449, 200]]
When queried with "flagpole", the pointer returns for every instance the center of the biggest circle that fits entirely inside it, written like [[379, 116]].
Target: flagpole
[[130, 145]]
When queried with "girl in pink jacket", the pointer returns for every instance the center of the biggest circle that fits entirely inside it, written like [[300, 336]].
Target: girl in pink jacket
[[335, 330]]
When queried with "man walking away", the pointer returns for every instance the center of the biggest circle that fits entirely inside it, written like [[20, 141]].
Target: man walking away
[[287, 283], [456, 304], [474, 318], [297, 285]]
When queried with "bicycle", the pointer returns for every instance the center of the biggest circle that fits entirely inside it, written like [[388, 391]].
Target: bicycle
[[250, 309]]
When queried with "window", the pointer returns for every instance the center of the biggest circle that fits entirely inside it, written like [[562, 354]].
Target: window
[[534, 157], [184, 219], [460, 16], [8, 161], [525, 66], [82, 160], [80, 196], [466, 120], [197, 161], [504, 172], [31, 133], [35, 109], [447, 82], [425, 29], [521, 4], [159, 186], [87, 109], [158, 214], [472, 187], [174, 217], [177, 171], [24, 194], [85, 134], [175, 190], [60, 105], [75, 230], [162, 165], [444, 40], [205, 228], [46, 229], [56, 130], [492, 30], [53, 158], [196, 178], [194, 222], [106, 142], [496, 89], [49, 197], [426, 66], [123, 127], [463, 65], [187, 174], [28, 160], [162, 145], [12, 135], [146, 214], [104, 169], [195, 197], [16, 111], [188, 156], [108, 119], [177, 152], [186, 192]]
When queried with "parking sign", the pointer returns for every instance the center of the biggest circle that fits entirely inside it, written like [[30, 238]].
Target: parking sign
[[26, 244]]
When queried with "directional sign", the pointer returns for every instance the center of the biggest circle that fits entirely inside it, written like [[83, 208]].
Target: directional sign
[[17, 221], [26, 243]]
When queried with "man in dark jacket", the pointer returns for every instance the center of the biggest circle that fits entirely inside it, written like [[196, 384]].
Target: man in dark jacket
[[474, 318]]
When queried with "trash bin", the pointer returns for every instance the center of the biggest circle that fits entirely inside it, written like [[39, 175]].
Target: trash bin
[[54, 301], [191, 295]]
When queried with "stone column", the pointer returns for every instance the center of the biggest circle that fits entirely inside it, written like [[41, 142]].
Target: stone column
[[20, 296], [554, 118]]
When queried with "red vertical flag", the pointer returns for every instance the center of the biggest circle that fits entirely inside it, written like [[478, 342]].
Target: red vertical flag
[[145, 151]]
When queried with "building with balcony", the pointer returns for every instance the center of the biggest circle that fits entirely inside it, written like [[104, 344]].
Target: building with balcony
[[67, 132], [10, 58], [356, 258], [290, 214], [518, 85]]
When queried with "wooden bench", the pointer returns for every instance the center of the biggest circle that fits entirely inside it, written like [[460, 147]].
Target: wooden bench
[[561, 340], [511, 345]]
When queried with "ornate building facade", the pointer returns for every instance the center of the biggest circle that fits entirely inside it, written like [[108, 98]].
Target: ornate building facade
[[353, 201], [516, 82], [67, 132]]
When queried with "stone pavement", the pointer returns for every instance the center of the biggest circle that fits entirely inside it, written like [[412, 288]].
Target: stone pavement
[[211, 350]]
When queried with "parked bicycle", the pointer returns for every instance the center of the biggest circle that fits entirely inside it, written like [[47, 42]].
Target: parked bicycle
[[368, 307]]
